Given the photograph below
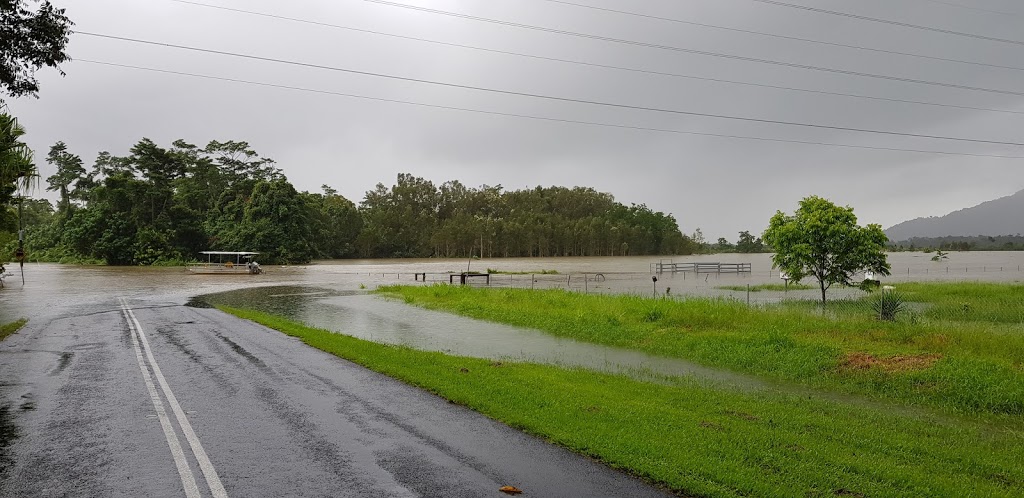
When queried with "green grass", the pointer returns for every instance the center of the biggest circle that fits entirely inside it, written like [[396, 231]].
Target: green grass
[[492, 271], [10, 328], [767, 287], [974, 367], [969, 301], [699, 440]]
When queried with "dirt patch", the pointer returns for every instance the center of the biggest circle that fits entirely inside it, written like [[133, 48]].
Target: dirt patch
[[712, 425], [847, 492], [865, 361], [742, 415]]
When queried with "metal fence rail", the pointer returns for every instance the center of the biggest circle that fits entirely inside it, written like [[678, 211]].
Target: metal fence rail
[[700, 267]]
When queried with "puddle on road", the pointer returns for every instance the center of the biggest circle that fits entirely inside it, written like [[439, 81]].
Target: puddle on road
[[374, 318]]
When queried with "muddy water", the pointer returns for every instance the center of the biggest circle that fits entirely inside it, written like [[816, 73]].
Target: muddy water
[[50, 286], [328, 295], [388, 321]]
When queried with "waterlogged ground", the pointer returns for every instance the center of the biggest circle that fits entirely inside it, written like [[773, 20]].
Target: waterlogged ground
[[389, 321], [330, 295], [49, 284], [855, 447]]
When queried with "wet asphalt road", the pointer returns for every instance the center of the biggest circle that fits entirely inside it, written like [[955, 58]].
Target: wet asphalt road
[[194, 402]]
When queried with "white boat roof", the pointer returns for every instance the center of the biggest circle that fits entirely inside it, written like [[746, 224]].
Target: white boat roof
[[233, 253]]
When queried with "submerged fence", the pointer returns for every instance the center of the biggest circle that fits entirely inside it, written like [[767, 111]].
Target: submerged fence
[[766, 284]]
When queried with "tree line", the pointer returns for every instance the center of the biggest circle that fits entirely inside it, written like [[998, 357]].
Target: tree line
[[961, 243], [162, 205]]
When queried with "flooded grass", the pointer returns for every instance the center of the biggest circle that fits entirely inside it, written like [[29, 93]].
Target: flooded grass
[[10, 328], [975, 366], [701, 440], [767, 287]]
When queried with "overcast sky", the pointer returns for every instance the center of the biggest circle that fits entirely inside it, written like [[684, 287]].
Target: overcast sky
[[721, 185]]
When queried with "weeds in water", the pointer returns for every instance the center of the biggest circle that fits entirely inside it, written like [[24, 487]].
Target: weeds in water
[[492, 271], [767, 287]]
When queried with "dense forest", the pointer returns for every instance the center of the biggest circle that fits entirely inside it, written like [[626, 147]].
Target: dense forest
[[962, 243], [162, 205]]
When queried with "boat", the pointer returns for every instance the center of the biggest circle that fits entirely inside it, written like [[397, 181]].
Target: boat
[[227, 263]]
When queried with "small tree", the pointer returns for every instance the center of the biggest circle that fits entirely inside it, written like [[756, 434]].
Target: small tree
[[823, 241]]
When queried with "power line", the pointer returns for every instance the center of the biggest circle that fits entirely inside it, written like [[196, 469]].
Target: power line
[[550, 97], [774, 35], [692, 51], [593, 64], [887, 21], [971, 7], [543, 118]]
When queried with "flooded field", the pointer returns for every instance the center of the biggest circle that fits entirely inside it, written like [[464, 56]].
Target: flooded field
[[389, 321], [333, 295], [48, 286]]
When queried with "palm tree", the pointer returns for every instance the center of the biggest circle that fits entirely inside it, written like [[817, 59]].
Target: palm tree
[[17, 171]]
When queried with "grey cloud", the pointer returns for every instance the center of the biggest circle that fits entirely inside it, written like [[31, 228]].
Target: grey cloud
[[720, 185]]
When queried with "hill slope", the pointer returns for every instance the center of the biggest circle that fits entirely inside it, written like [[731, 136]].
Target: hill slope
[[1001, 216]]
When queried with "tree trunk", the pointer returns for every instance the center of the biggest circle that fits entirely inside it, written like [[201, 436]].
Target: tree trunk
[[821, 283]]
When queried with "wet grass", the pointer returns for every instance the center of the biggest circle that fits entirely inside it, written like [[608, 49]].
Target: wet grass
[[767, 287], [701, 440], [10, 328], [492, 271], [965, 366]]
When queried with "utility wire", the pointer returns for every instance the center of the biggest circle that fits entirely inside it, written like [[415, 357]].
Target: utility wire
[[593, 64], [549, 97], [971, 7], [888, 21], [543, 118], [692, 51], [773, 35]]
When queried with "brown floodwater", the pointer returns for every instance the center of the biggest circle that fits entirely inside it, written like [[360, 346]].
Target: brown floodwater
[[333, 295]]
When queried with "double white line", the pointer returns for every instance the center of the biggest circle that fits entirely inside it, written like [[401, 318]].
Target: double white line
[[142, 354]]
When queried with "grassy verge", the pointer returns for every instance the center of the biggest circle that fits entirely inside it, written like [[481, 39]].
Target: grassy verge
[[767, 287], [702, 441], [10, 328], [975, 367], [492, 271]]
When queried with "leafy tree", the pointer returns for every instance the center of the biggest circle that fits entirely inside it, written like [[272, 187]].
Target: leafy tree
[[31, 40], [747, 243], [335, 223], [275, 222], [823, 241], [69, 172]]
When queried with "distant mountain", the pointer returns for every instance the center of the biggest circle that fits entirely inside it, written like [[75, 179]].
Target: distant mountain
[[1003, 216]]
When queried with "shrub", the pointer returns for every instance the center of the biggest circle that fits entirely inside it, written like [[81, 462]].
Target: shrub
[[888, 305]]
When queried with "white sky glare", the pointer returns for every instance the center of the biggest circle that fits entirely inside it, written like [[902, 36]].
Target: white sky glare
[[721, 185]]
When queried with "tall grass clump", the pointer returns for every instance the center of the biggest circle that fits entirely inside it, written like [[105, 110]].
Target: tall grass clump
[[888, 305]]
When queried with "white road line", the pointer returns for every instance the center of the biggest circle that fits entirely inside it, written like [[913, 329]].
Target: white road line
[[188, 482], [212, 479]]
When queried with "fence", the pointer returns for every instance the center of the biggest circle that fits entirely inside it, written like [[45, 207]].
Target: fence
[[698, 267]]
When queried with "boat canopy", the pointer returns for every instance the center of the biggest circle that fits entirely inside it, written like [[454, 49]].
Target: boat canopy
[[232, 253]]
